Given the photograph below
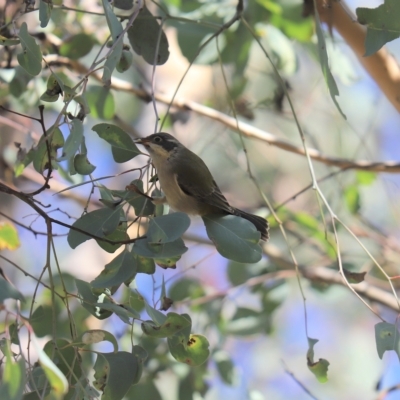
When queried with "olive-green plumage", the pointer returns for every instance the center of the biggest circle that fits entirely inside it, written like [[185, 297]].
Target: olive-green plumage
[[187, 182]]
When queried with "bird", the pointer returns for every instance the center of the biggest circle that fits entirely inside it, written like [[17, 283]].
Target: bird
[[188, 184]]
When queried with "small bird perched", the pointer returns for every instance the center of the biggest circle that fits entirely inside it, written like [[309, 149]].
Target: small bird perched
[[187, 182]]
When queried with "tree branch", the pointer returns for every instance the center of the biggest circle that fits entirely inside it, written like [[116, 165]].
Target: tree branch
[[230, 122]]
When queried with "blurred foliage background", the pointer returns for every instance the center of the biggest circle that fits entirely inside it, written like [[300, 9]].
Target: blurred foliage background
[[247, 87]]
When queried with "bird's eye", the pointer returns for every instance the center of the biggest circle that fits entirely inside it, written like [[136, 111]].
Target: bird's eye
[[157, 139]]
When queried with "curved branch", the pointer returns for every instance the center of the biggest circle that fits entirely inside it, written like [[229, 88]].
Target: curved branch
[[314, 274], [239, 126]]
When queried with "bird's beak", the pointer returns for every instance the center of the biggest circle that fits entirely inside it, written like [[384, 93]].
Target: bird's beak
[[143, 141]]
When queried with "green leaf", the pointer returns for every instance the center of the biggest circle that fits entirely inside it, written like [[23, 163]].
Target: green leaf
[[239, 273], [19, 82], [57, 380], [118, 235], [31, 57], [247, 322], [190, 37], [157, 317], [92, 336], [168, 262], [53, 90], [101, 102], [115, 373], [82, 165], [318, 368], [122, 311], [41, 321], [41, 155], [142, 205], [74, 140], [123, 147], [125, 61], [115, 55], [382, 24], [225, 367], [235, 238], [144, 36], [167, 228], [173, 324], [144, 390], [45, 8], [324, 61], [141, 355], [352, 198], [65, 357], [88, 300], [100, 223], [386, 338], [185, 288], [119, 270], [290, 20], [8, 291], [145, 265], [77, 46], [365, 177], [145, 248], [194, 353], [9, 239], [13, 378]]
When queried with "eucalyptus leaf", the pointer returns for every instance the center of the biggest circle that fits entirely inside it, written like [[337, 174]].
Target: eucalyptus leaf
[[142, 205], [82, 165], [100, 223], [77, 46], [194, 353], [324, 61], [13, 377], [31, 57], [101, 102], [45, 8], [115, 54], [382, 24], [167, 228], [387, 338], [145, 248], [123, 147], [19, 82], [96, 336], [235, 238], [115, 373], [8, 291], [318, 368], [74, 140], [173, 324], [120, 269], [145, 35], [120, 234], [55, 140], [88, 300]]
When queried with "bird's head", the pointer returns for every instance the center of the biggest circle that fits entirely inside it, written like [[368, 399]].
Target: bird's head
[[160, 144]]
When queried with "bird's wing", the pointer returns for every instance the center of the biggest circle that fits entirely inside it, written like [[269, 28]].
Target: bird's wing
[[213, 197]]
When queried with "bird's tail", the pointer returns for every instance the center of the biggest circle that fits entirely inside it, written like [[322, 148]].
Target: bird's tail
[[260, 223]]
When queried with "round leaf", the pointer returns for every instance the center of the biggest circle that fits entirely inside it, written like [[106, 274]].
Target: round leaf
[[235, 238]]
